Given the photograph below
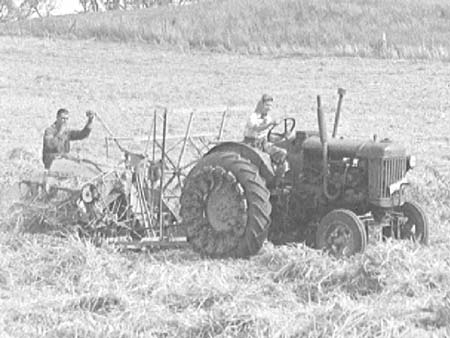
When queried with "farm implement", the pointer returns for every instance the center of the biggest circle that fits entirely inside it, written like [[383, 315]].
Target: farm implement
[[132, 202], [225, 198]]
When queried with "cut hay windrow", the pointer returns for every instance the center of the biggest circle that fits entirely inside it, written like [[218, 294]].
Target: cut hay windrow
[[394, 288]]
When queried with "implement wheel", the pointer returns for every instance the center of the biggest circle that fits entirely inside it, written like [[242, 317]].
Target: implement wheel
[[116, 220], [225, 206], [341, 233], [22, 219]]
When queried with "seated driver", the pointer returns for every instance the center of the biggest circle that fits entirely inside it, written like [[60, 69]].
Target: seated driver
[[57, 137], [256, 128]]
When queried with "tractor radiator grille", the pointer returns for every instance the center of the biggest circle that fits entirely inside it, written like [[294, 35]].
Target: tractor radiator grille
[[382, 173]]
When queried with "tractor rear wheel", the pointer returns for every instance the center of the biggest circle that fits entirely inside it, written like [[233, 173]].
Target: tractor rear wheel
[[225, 206], [341, 233]]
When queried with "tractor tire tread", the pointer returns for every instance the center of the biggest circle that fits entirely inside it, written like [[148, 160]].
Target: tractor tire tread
[[258, 208]]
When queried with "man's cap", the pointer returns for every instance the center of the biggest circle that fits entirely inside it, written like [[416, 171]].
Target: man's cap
[[266, 98]]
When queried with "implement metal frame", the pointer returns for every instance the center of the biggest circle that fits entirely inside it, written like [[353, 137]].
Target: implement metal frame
[[172, 169]]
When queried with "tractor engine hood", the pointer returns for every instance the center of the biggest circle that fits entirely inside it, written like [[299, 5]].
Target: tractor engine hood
[[356, 148]]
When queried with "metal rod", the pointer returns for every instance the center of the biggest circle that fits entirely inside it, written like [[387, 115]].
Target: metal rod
[[105, 126], [171, 137], [161, 183], [141, 199], [222, 124], [174, 146], [152, 184], [107, 147], [149, 136], [195, 147], [170, 181], [172, 163], [179, 181], [183, 147], [189, 164], [206, 143], [154, 135], [144, 200]]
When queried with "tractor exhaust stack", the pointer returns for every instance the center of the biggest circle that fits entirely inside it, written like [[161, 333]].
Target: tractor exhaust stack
[[324, 142], [322, 125], [341, 93]]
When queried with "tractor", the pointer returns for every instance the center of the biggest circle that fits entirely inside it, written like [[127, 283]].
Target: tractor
[[337, 194]]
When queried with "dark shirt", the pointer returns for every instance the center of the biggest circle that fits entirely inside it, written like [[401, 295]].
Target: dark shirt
[[60, 144]]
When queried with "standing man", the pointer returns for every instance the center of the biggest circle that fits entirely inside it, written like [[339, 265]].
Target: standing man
[[255, 134], [57, 137]]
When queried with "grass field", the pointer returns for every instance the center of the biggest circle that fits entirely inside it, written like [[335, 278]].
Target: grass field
[[378, 28], [52, 287]]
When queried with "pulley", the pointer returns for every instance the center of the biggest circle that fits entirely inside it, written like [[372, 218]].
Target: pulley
[[89, 193]]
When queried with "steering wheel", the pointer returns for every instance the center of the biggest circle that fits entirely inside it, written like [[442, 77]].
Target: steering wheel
[[289, 125]]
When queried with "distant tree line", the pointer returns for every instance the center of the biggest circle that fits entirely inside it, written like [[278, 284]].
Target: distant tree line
[[12, 10], [111, 5], [17, 10]]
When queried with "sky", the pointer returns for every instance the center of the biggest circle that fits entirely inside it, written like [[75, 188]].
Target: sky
[[67, 7]]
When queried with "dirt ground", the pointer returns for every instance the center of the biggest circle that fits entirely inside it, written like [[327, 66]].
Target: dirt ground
[[400, 99]]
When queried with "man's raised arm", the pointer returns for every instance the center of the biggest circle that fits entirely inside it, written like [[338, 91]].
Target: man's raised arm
[[75, 135]]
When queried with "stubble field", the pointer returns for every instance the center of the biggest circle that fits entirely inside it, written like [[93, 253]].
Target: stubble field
[[53, 287]]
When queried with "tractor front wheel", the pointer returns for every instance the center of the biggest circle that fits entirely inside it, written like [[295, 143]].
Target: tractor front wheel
[[413, 224], [225, 206], [341, 233]]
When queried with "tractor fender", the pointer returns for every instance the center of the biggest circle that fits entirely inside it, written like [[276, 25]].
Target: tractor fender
[[257, 157]]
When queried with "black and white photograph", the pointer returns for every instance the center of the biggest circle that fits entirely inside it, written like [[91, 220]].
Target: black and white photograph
[[224, 168]]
